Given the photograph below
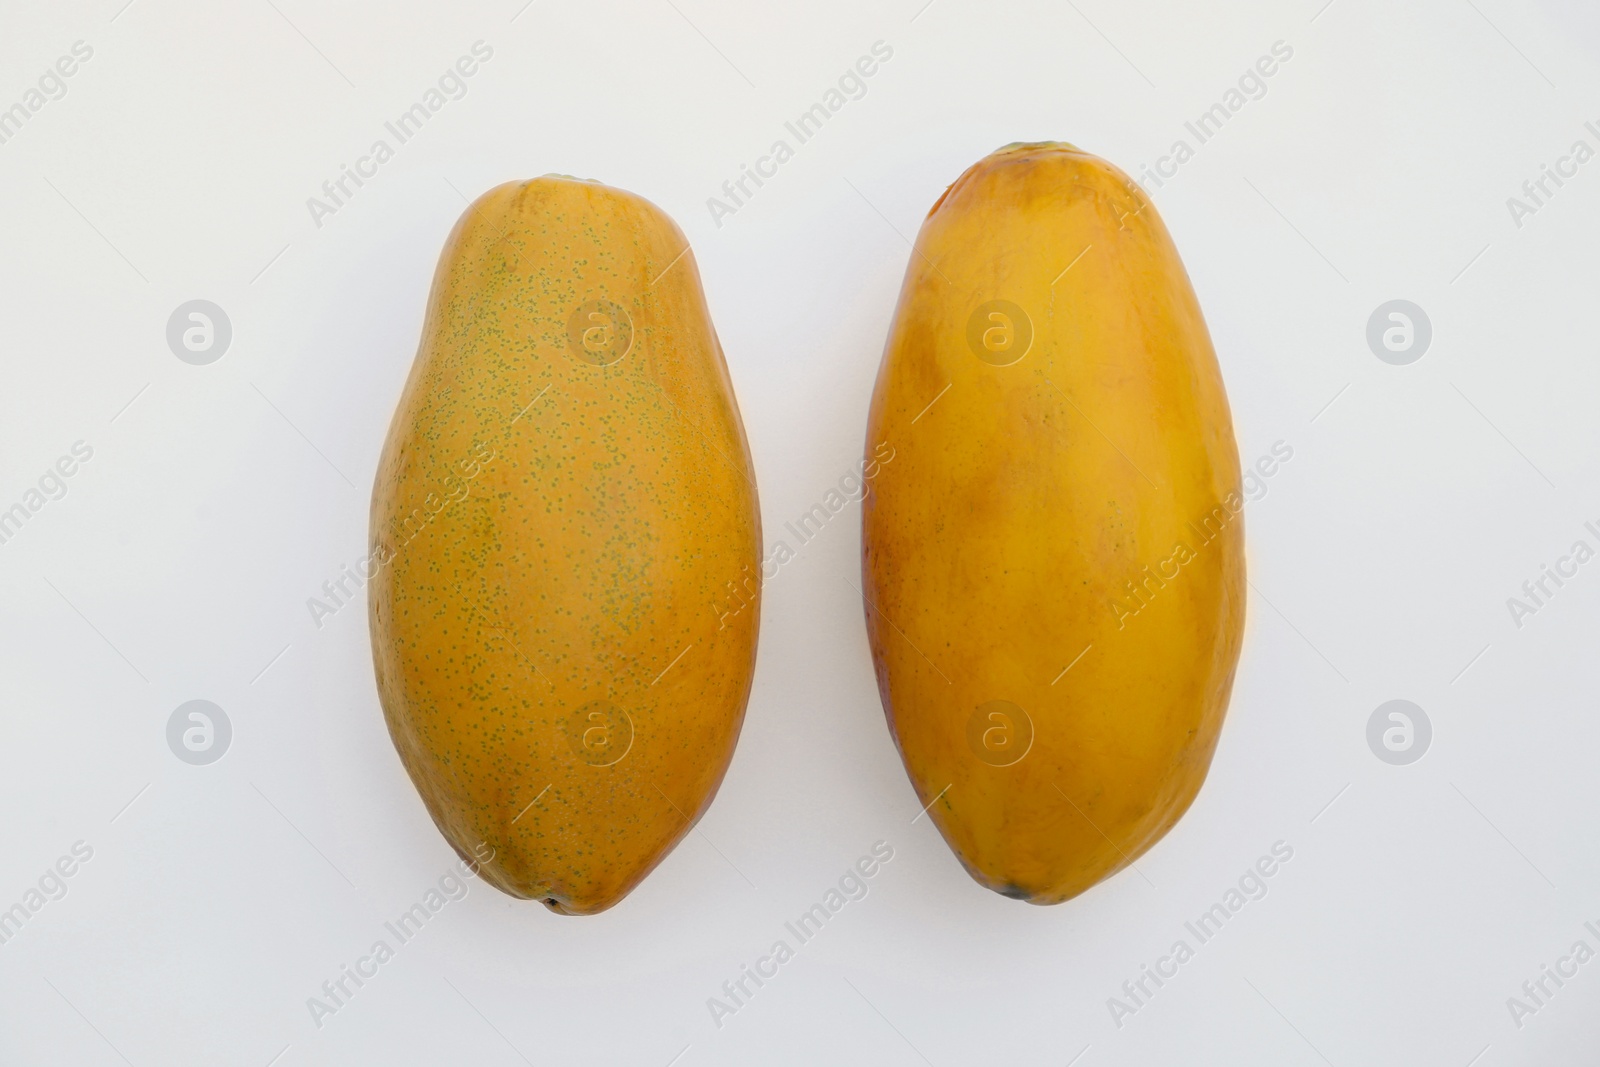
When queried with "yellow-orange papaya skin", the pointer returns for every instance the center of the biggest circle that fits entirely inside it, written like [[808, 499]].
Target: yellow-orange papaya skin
[[567, 544], [1053, 565]]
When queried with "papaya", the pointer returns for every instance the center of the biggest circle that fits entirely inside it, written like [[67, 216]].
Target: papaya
[[565, 532], [1053, 567]]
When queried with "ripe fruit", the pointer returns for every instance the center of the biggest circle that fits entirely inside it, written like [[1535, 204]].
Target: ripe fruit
[[1053, 565], [563, 503]]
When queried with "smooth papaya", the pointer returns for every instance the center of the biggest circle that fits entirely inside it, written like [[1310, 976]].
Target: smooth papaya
[[1053, 567], [563, 503]]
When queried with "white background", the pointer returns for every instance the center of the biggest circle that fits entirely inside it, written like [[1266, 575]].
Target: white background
[[178, 565]]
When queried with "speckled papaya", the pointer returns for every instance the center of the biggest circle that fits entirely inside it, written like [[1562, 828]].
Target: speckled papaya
[[567, 546], [1053, 567]]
